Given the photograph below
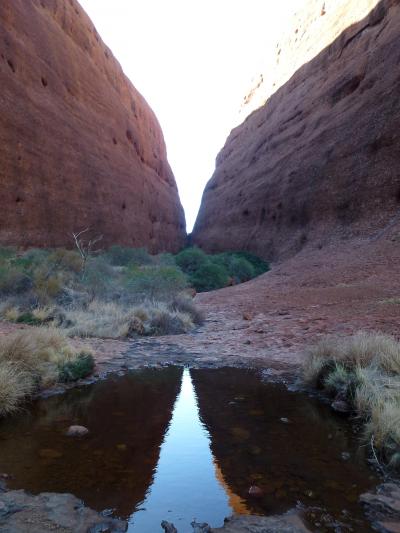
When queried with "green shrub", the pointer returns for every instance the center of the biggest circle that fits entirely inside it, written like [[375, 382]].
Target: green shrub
[[240, 269], [7, 252], [13, 280], [99, 278], [209, 272], [260, 266], [155, 283], [191, 259], [79, 368], [209, 277], [123, 256], [29, 318]]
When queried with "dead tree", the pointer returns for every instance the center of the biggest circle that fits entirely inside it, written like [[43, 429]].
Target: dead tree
[[85, 247]]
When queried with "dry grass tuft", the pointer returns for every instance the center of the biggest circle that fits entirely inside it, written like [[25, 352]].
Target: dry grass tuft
[[364, 369], [15, 386], [30, 360], [110, 320]]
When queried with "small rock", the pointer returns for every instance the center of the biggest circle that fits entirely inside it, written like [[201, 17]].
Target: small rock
[[255, 491], [247, 316], [77, 431], [168, 527], [200, 528]]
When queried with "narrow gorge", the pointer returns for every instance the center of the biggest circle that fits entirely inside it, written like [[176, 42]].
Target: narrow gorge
[[244, 377]]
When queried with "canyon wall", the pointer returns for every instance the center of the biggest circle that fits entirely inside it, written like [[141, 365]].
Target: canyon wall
[[319, 161], [79, 146]]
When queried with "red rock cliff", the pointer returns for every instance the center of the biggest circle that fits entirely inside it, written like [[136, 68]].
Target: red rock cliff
[[79, 146], [320, 160]]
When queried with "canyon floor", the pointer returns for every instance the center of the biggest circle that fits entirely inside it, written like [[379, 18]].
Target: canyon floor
[[271, 320]]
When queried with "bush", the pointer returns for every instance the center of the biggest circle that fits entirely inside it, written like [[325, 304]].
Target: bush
[[363, 369], [240, 269], [209, 272], [28, 318], [123, 256], [260, 266], [80, 368], [191, 259], [155, 283], [209, 277]]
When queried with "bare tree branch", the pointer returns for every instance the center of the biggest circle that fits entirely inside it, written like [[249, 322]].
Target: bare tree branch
[[85, 248]]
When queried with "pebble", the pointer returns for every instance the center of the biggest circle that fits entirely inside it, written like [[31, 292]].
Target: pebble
[[77, 431]]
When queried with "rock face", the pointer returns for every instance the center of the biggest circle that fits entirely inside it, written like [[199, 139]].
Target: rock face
[[79, 146], [319, 161]]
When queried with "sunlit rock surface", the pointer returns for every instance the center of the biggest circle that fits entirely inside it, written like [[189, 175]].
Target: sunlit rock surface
[[319, 160], [79, 146]]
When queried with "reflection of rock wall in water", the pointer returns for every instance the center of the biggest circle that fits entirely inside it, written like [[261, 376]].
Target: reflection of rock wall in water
[[320, 160], [253, 446], [79, 146], [113, 466]]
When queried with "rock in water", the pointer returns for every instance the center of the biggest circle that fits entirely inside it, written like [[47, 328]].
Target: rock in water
[[168, 527], [79, 146], [77, 431], [319, 160]]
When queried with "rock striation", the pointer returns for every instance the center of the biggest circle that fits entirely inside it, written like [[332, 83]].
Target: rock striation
[[319, 160], [79, 146]]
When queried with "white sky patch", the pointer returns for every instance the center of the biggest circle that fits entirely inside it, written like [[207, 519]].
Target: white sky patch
[[193, 61]]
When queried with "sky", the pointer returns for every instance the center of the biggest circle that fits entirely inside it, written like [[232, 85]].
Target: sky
[[193, 61]]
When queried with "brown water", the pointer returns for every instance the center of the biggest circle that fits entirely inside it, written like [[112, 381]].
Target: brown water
[[178, 445]]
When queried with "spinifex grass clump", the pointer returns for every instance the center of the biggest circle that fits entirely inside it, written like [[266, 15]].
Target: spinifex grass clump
[[35, 359], [364, 370]]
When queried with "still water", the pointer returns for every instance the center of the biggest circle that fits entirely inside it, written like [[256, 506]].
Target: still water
[[178, 445]]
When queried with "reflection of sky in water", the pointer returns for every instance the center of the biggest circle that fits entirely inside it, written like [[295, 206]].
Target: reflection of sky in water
[[185, 484]]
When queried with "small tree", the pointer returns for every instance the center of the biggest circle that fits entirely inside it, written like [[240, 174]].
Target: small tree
[[85, 247]]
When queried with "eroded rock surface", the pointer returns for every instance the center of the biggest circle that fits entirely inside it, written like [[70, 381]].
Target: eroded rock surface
[[288, 523], [383, 507], [319, 161], [79, 146], [21, 512]]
